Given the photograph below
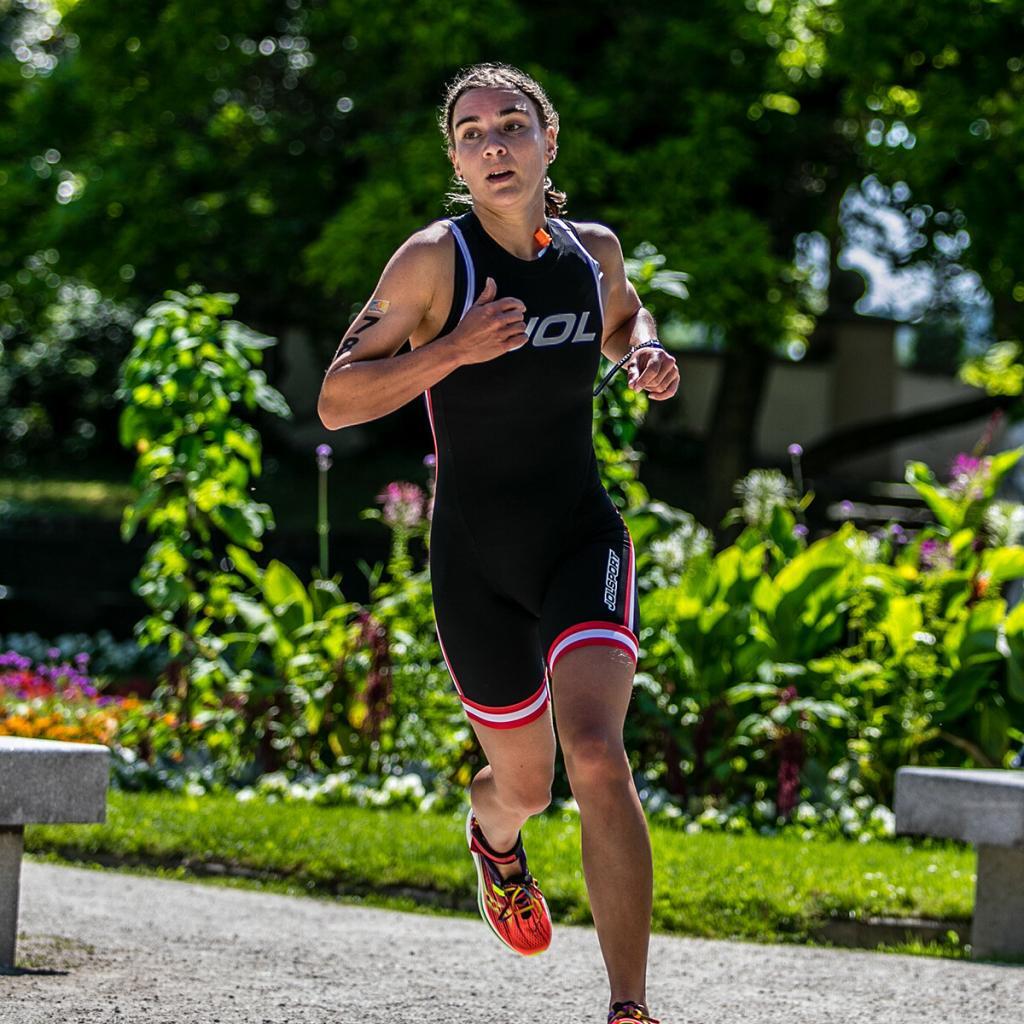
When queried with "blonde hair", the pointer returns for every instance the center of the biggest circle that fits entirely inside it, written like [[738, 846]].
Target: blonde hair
[[498, 76]]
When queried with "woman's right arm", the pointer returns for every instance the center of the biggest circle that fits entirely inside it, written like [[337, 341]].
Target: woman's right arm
[[364, 382]]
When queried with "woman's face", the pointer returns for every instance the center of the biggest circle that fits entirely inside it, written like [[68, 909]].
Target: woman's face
[[499, 130]]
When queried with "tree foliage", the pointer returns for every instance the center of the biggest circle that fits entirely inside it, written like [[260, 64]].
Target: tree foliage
[[282, 150]]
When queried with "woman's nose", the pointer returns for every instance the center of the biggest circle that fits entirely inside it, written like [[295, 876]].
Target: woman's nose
[[495, 144]]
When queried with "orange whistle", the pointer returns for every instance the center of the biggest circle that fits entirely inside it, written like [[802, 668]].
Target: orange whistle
[[543, 238]]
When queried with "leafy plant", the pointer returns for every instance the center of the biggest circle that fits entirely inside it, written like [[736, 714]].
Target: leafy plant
[[186, 373]]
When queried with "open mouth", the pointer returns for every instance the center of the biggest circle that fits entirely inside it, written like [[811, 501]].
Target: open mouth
[[500, 175]]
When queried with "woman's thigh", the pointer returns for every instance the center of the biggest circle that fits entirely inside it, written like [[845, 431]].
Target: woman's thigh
[[490, 643]]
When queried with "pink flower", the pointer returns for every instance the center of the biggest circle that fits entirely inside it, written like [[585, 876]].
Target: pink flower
[[403, 504], [935, 554], [967, 476]]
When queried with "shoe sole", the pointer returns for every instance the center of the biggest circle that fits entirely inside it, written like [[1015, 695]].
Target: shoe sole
[[481, 881]]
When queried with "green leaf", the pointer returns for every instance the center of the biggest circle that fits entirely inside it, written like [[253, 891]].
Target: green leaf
[[993, 731], [902, 620], [1002, 564], [945, 509], [245, 564], [270, 399], [744, 691], [282, 589], [236, 524]]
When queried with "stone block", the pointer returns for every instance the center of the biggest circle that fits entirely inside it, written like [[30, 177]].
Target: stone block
[[47, 781], [979, 806], [998, 928]]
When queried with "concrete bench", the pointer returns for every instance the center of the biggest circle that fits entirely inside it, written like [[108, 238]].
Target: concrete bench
[[984, 807], [42, 782]]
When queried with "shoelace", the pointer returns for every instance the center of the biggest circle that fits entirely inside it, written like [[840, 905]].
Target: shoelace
[[519, 898], [630, 1010]]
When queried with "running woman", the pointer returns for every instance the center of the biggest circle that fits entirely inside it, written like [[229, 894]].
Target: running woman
[[507, 309]]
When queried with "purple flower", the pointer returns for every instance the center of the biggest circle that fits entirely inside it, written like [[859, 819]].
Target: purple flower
[[800, 530], [81, 660], [935, 554], [403, 504], [53, 652], [846, 509], [897, 533], [430, 460], [12, 659], [323, 457], [795, 450], [967, 476], [964, 465]]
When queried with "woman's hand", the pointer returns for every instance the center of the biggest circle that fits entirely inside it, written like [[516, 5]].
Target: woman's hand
[[653, 370], [490, 327]]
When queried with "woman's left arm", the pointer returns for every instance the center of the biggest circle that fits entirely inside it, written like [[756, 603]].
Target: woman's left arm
[[626, 321]]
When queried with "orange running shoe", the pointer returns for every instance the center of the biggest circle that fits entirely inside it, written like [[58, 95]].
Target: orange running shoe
[[630, 1013], [514, 907]]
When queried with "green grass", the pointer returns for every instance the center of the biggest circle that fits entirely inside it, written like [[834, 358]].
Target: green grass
[[103, 499], [716, 886], [289, 487]]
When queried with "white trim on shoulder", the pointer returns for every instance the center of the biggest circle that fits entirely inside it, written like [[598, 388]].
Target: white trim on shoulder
[[470, 272], [595, 266]]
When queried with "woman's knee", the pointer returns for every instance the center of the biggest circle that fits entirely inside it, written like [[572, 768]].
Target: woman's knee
[[595, 759], [528, 796]]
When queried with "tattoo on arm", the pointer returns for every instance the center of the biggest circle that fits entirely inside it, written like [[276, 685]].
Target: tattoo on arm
[[349, 343]]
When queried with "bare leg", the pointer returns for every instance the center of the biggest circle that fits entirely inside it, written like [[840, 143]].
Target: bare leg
[[591, 688], [515, 784]]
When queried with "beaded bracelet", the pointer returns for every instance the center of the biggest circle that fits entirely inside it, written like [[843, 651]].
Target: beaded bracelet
[[654, 343]]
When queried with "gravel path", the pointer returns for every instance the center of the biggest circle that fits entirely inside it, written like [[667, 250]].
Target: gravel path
[[103, 946]]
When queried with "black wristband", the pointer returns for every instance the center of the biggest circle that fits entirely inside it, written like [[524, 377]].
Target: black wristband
[[653, 343]]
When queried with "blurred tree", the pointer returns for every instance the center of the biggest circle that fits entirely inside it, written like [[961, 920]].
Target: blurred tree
[[283, 149]]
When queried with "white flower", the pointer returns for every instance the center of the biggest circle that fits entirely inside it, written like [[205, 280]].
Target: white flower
[[806, 814], [692, 828], [1004, 522], [245, 795], [195, 789], [885, 818], [760, 492], [709, 816], [403, 785], [274, 782], [864, 547], [672, 554]]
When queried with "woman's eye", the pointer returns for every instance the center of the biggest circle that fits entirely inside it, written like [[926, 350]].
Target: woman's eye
[[472, 133]]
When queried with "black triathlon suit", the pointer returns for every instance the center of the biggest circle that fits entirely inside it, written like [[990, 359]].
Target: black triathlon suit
[[529, 557]]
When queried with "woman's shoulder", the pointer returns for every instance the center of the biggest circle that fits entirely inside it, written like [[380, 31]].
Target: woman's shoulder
[[426, 249], [598, 239], [432, 237]]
